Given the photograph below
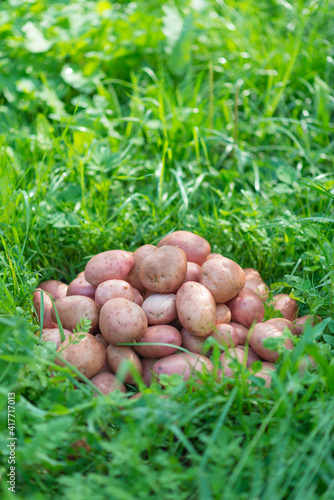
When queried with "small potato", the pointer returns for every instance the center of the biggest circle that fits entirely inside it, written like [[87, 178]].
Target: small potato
[[300, 324], [81, 274], [195, 247], [122, 321], [250, 272], [246, 308], [227, 362], [107, 383], [72, 309], [110, 265], [282, 323], [99, 337], [111, 289], [53, 335], [104, 368], [147, 375], [192, 342], [183, 364], [258, 286], [55, 288], [288, 306], [160, 308], [88, 355], [223, 277], [165, 334], [242, 332], [196, 308], [80, 286], [223, 314], [214, 256], [47, 320], [264, 331], [117, 355], [163, 270], [139, 255], [251, 355], [266, 373], [138, 297], [226, 335], [193, 271], [138, 395]]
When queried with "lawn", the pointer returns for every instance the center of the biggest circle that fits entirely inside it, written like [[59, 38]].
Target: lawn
[[120, 122]]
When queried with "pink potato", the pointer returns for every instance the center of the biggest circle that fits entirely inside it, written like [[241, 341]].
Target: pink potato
[[282, 323], [227, 362], [195, 247], [250, 272], [111, 289], [182, 364], [138, 297], [226, 335], [266, 373], [300, 324], [214, 256], [192, 343], [81, 274], [193, 271], [47, 320], [133, 276], [80, 286], [251, 355], [242, 332], [73, 308], [258, 286], [223, 277], [160, 308], [88, 355], [110, 265], [117, 355], [107, 383], [223, 314], [99, 337], [122, 321], [263, 331], [147, 374], [164, 269], [164, 334], [53, 335], [196, 308], [246, 308], [55, 288], [288, 306]]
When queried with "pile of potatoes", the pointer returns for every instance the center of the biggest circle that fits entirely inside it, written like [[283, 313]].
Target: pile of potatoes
[[177, 294]]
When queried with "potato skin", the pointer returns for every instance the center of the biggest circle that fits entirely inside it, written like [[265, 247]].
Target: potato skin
[[246, 308], [80, 286], [196, 308], [138, 297], [282, 323], [288, 306], [47, 319], [214, 256], [139, 255], [223, 314], [111, 289], [116, 355], [164, 269], [53, 335], [300, 324], [193, 272], [122, 321], [192, 343], [251, 355], [226, 335], [223, 277], [195, 247], [57, 289], [258, 286], [160, 308], [183, 364], [261, 332], [113, 264], [165, 334], [265, 373], [88, 355], [147, 375], [250, 273], [71, 309], [226, 360], [107, 383], [242, 332]]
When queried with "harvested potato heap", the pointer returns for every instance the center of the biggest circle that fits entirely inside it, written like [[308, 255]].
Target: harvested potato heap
[[177, 294]]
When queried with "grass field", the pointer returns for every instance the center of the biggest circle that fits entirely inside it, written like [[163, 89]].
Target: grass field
[[120, 122]]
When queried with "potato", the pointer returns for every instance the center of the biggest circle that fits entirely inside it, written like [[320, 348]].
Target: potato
[[110, 265], [300, 323], [139, 255], [246, 308], [242, 332], [88, 355], [223, 314], [183, 364], [282, 323], [288, 306], [138, 297], [147, 375], [258, 286], [122, 321], [227, 362], [192, 342], [226, 335], [196, 308], [72, 309], [250, 272], [160, 308], [138, 395], [223, 277], [192, 274], [251, 355], [107, 383], [47, 320], [195, 247], [214, 256], [53, 335], [265, 373], [80, 286], [117, 355], [104, 368], [165, 334], [55, 288], [111, 289], [81, 274], [164, 269], [263, 331], [102, 340]]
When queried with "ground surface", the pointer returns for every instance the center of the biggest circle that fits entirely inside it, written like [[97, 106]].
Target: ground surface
[[119, 123]]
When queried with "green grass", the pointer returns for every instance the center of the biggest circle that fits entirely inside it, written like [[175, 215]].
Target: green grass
[[121, 122]]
